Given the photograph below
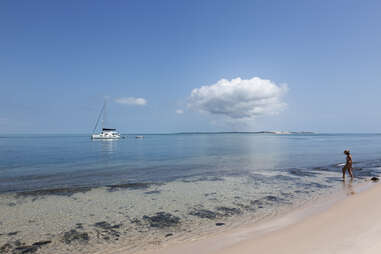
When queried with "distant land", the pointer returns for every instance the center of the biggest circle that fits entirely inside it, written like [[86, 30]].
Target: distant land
[[251, 132]]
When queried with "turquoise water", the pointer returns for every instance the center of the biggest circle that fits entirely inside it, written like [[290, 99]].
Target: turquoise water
[[30, 162]]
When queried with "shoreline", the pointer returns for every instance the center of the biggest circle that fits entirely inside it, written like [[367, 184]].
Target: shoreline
[[312, 220]]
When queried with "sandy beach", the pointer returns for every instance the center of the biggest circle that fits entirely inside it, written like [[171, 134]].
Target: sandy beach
[[349, 225]]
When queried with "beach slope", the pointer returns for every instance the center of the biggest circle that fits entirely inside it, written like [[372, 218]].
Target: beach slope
[[352, 225]]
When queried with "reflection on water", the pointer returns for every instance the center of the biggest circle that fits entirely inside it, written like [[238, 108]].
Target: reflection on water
[[348, 187], [108, 146]]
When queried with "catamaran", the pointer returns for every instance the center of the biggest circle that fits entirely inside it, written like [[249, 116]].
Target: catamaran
[[106, 133]]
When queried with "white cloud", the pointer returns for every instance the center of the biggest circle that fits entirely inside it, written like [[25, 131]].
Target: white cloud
[[179, 111], [239, 98], [131, 101]]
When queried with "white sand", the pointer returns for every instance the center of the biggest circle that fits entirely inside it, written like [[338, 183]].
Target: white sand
[[351, 225]]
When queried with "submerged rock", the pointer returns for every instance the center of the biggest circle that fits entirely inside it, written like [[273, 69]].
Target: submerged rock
[[18, 243], [74, 235], [106, 225], [6, 248], [108, 230], [40, 243], [25, 249], [162, 220], [228, 211], [272, 198], [203, 213], [17, 247], [136, 221]]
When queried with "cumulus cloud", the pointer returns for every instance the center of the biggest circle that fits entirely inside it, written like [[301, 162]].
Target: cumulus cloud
[[179, 111], [239, 98], [131, 101]]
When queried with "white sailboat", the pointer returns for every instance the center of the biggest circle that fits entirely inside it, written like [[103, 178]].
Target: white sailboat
[[106, 133]]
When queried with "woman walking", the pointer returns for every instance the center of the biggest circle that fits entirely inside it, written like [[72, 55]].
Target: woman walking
[[348, 164]]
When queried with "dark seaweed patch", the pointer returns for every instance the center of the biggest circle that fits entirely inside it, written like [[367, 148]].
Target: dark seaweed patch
[[152, 192], [194, 179], [203, 213], [25, 249], [106, 225], [40, 243], [271, 198], [6, 248], [18, 247], [132, 186], [287, 195], [228, 211], [136, 221], [162, 220], [246, 207], [74, 235], [58, 191], [267, 200], [257, 203], [108, 230]]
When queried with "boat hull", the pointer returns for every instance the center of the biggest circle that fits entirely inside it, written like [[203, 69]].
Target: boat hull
[[97, 136]]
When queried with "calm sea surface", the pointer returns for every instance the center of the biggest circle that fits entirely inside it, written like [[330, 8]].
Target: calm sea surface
[[30, 162]]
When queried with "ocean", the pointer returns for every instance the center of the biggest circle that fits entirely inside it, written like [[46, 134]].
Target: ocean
[[78, 194]]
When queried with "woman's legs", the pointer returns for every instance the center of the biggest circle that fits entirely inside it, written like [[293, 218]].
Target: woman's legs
[[350, 172], [344, 169]]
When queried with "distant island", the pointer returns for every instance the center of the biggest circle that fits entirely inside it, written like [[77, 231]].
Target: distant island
[[252, 132]]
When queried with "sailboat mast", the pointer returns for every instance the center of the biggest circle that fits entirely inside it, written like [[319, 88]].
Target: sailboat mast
[[100, 114], [104, 115]]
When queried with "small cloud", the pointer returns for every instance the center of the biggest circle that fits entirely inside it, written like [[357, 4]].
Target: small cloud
[[239, 99], [179, 111], [131, 101]]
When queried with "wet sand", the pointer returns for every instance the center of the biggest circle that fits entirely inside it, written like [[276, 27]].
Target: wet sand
[[349, 225]]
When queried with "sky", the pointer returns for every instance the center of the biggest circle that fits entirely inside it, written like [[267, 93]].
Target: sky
[[189, 66]]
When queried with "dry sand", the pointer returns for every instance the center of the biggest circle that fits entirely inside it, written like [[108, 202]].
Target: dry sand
[[350, 225]]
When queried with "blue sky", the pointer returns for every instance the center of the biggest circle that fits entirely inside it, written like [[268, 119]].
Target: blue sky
[[59, 59]]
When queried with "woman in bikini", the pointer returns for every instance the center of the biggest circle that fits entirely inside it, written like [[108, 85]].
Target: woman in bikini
[[348, 165]]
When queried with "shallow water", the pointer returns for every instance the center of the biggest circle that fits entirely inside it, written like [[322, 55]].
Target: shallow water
[[82, 194]]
